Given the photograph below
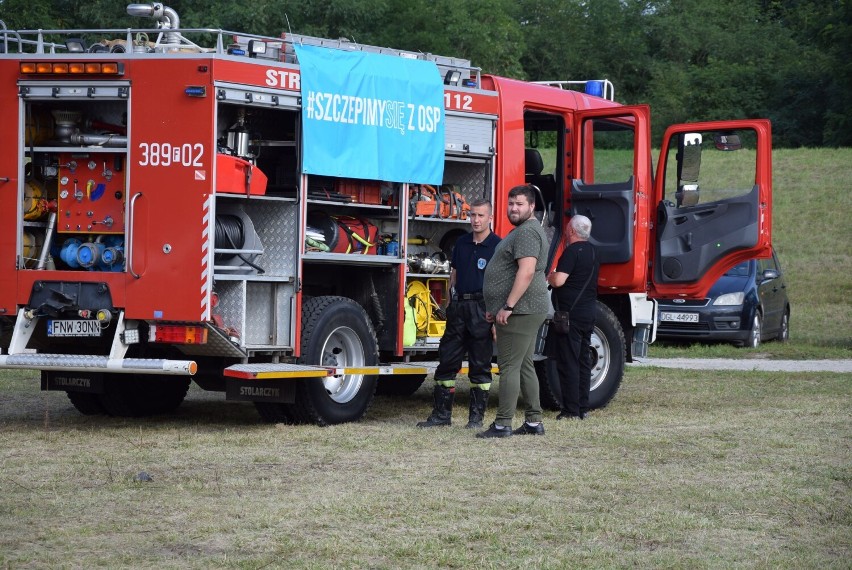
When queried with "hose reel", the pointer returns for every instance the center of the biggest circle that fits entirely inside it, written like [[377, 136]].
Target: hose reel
[[237, 245]]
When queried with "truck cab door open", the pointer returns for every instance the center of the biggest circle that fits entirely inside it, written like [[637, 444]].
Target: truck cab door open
[[612, 188], [713, 191]]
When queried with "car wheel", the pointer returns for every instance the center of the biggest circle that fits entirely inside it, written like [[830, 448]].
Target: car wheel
[[755, 332], [784, 331]]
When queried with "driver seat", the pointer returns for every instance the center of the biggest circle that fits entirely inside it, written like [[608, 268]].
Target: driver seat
[[533, 165]]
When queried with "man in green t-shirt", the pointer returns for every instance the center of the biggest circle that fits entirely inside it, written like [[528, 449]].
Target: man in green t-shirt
[[516, 300]]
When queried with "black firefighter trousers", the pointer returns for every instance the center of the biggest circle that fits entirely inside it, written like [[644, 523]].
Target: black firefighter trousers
[[467, 332]]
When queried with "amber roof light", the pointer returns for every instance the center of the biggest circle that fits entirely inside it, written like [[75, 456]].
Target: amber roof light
[[71, 68]]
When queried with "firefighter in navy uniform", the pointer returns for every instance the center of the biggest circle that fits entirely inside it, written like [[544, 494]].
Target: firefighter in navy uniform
[[467, 330]]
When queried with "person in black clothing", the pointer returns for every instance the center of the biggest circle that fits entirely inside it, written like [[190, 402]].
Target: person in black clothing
[[575, 284], [467, 330]]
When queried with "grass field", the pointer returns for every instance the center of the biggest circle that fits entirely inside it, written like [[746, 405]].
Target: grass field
[[684, 469]]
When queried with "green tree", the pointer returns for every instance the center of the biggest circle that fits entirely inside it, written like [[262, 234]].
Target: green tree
[[579, 40], [789, 60], [484, 31]]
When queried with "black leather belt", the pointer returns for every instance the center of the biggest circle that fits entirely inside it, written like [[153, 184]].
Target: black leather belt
[[468, 297]]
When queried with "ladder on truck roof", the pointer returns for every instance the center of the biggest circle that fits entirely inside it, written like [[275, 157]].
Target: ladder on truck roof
[[134, 42], [468, 76]]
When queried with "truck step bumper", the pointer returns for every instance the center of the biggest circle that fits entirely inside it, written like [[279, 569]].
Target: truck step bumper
[[89, 363]]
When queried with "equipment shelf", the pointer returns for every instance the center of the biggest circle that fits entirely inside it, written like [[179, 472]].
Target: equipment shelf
[[352, 258], [336, 204]]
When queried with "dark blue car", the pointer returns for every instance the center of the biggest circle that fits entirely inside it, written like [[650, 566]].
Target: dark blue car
[[747, 305]]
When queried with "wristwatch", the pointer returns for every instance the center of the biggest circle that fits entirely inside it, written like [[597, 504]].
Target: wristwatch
[[506, 307]]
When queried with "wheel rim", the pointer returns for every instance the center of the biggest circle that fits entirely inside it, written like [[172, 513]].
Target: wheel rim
[[601, 355], [343, 349], [755, 332], [785, 327]]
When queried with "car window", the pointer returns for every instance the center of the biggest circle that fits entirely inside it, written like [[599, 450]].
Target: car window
[[740, 270], [771, 263]]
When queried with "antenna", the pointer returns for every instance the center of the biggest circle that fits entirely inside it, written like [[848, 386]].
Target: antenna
[[289, 29]]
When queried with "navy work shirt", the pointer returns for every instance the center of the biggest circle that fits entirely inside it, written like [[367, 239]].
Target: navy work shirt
[[469, 261]]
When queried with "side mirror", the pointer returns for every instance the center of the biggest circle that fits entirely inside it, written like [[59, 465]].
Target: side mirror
[[689, 167], [769, 274], [727, 142]]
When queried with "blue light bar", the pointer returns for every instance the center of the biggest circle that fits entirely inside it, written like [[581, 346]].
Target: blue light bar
[[196, 91], [594, 88]]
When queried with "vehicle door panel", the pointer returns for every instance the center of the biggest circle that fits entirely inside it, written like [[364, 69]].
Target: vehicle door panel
[[714, 215], [10, 202], [613, 205], [612, 187]]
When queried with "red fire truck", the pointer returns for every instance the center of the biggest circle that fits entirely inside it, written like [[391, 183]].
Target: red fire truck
[[158, 226]]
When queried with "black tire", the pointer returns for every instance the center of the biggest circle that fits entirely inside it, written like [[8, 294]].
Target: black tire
[[784, 330], [140, 396], [755, 333], [399, 384], [166, 394], [549, 390], [336, 332], [275, 413], [608, 353], [86, 403]]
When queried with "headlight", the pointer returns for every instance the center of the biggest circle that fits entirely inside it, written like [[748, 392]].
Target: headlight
[[730, 299]]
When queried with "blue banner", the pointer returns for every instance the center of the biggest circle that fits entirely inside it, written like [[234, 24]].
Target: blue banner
[[371, 116]]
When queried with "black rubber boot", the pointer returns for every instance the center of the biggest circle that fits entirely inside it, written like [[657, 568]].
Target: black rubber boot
[[442, 414], [478, 403]]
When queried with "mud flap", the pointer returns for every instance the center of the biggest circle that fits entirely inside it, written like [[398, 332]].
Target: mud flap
[[92, 383], [281, 391]]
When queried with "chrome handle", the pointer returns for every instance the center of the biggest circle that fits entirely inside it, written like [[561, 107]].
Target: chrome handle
[[130, 220]]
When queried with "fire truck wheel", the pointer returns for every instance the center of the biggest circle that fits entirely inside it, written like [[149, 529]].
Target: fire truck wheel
[[86, 403], [549, 392], [275, 413], [143, 395], [607, 354], [336, 333], [399, 384]]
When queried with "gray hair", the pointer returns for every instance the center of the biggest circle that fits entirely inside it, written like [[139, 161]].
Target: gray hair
[[582, 226]]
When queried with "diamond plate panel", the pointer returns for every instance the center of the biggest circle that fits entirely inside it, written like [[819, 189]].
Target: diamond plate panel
[[473, 178], [268, 314], [232, 304], [277, 225], [260, 367], [217, 345]]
